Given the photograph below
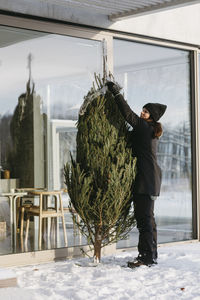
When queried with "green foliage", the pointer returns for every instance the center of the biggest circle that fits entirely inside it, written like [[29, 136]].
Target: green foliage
[[100, 181]]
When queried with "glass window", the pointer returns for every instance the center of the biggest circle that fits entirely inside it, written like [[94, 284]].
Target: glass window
[[157, 74], [44, 78]]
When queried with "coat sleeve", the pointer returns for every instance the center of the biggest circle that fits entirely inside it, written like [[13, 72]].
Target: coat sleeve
[[129, 115]]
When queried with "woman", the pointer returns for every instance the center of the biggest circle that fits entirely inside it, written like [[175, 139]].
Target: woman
[[146, 132]]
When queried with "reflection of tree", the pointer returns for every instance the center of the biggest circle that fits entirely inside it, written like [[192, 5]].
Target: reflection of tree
[[5, 140], [26, 159], [22, 129], [174, 152]]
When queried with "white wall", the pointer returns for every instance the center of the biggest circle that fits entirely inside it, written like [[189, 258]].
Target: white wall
[[180, 24]]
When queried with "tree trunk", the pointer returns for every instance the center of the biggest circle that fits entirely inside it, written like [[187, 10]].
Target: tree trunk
[[97, 250]]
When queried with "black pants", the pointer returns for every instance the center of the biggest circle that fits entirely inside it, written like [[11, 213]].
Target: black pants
[[144, 214]]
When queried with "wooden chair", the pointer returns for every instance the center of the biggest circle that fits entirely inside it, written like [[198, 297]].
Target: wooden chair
[[44, 211], [26, 202]]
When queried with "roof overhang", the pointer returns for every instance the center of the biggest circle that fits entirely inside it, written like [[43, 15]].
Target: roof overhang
[[116, 9]]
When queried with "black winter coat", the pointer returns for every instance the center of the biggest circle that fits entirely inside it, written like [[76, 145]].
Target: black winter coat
[[148, 177]]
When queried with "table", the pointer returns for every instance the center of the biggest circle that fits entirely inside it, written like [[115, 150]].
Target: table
[[13, 199]]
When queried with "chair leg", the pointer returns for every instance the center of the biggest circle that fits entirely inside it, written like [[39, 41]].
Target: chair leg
[[27, 228], [18, 200], [63, 220], [22, 243], [64, 230], [22, 221], [40, 233], [52, 226], [53, 230]]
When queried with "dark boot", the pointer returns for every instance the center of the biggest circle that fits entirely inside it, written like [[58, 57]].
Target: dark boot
[[141, 262]]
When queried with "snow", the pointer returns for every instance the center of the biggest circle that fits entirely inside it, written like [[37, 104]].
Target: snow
[[177, 276], [6, 273]]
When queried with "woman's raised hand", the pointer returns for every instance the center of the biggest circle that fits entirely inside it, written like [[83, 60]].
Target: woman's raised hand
[[113, 88]]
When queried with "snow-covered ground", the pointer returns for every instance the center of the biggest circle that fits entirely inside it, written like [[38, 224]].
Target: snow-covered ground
[[177, 276]]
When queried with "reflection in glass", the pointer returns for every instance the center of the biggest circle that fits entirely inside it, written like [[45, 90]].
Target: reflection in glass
[[44, 78], [157, 74]]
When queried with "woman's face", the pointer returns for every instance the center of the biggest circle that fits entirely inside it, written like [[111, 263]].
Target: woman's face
[[144, 114]]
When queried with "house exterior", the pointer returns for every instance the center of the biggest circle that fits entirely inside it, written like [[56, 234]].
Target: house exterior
[[49, 52]]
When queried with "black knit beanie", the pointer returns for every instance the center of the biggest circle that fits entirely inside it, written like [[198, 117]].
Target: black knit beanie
[[156, 110]]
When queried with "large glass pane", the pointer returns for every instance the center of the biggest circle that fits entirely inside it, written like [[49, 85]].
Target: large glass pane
[[44, 78], [157, 74]]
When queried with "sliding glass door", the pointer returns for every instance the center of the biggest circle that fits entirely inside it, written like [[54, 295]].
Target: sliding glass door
[[156, 74]]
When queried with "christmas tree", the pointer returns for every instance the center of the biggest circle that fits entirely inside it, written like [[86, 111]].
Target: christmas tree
[[100, 180]]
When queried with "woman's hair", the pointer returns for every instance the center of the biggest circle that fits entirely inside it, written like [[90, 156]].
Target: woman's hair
[[157, 128]]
